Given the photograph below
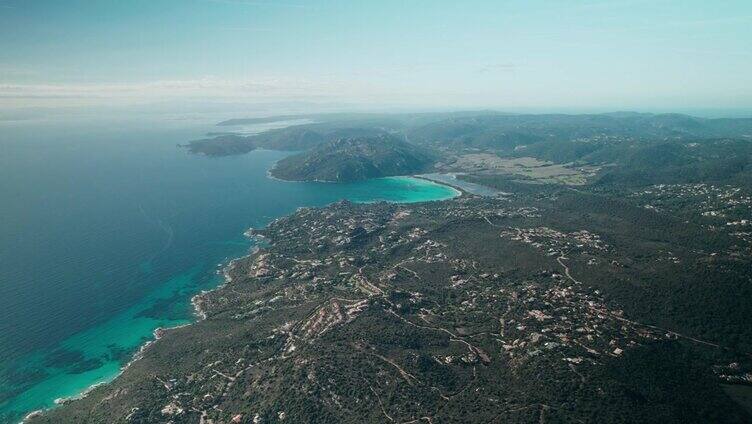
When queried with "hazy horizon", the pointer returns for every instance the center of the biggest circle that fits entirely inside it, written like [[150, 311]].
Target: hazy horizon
[[540, 56]]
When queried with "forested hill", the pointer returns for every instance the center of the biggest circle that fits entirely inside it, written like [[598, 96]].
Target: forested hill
[[355, 158], [505, 132]]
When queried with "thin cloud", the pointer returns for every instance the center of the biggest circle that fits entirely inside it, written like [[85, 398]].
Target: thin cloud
[[247, 29], [209, 87], [260, 3], [714, 21], [497, 68]]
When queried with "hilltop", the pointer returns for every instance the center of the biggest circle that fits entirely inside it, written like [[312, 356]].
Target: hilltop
[[355, 158]]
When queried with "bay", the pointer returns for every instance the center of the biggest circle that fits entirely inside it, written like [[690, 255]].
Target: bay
[[108, 228]]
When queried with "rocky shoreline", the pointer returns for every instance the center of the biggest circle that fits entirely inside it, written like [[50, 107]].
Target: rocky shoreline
[[197, 302]]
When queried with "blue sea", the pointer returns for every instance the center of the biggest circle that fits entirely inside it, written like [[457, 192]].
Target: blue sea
[[108, 228]]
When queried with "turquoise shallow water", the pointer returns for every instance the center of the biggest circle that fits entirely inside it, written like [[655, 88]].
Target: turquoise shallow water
[[106, 231]]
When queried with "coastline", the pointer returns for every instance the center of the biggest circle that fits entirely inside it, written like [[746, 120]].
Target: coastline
[[198, 306], [158, 333], [275, 178], [466, 187], [458, 190]]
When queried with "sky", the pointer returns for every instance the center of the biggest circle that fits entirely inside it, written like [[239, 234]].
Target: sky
[[506, 54]]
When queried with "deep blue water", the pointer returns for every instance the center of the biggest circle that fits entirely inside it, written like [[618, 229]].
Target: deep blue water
[[106, 230]]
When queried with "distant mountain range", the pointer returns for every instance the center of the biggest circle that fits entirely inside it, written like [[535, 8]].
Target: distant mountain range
[[635, 146], [483, 129]]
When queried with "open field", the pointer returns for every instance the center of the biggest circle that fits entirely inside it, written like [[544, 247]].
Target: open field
[[526, 167]]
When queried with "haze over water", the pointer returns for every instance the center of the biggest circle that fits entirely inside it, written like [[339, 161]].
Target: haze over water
[[108, 229]]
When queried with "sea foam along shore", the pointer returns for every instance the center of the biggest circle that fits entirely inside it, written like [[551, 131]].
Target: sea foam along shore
[[159, 332]]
